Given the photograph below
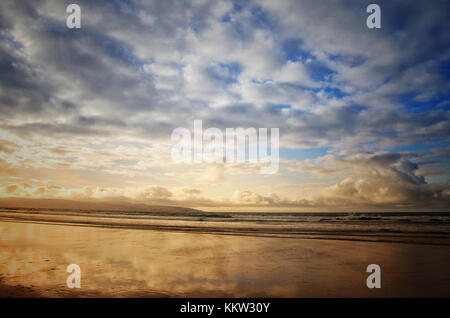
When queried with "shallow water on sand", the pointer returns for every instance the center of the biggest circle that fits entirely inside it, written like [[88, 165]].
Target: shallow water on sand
[[117, 262]]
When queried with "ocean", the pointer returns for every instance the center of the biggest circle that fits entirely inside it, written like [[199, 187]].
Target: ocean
[[409, 227]]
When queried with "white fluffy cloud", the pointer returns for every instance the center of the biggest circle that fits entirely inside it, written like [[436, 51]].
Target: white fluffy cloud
[[99, 104]]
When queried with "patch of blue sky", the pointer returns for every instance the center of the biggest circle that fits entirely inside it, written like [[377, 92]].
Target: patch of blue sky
[[112, 47], [261, 81], [356, 108], [124, 6], [303, 154], [277, 108], [232, 68], [260, 19], [334, 92], [414, 106], [224, 72], [237, 7], [318, 71], [349, 60], [440, 158], [117, 50], [415, 148], [293, 52], [242, 30], [444, 68], [57, 28], [329, 91], [9, 39]]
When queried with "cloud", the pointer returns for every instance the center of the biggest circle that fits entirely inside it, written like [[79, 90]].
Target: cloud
[[372, 180], [155, 193], [98, 105], [375, 179], [203, 56]]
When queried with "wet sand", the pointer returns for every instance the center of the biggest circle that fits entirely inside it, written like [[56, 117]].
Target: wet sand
[[154, 263]]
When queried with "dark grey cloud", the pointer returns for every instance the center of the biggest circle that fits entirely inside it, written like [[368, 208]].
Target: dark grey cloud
[[93, 81]]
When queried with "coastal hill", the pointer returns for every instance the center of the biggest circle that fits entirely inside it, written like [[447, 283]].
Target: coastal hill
[[92, 205]]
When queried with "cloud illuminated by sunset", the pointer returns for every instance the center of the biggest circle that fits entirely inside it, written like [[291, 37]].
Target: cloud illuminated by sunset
[[363, 113]]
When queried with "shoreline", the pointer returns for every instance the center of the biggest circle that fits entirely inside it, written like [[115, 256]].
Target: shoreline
[[145, 263], [420, 238]]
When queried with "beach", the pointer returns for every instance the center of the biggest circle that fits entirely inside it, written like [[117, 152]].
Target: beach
[[166, 262]]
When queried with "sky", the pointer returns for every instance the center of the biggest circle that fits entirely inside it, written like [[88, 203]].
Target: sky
[[363, 114]]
